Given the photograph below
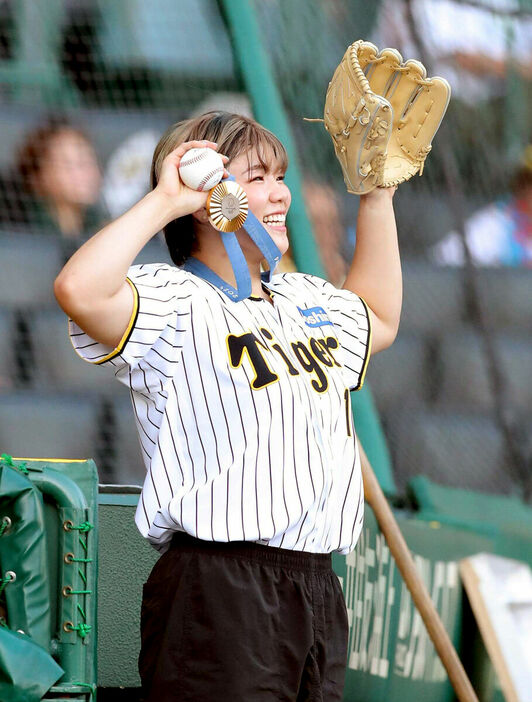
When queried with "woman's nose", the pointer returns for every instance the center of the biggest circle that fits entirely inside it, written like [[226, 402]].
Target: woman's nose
[[279, 192]]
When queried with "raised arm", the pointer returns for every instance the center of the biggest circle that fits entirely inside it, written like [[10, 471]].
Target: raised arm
[[375, 272], [92, 287]]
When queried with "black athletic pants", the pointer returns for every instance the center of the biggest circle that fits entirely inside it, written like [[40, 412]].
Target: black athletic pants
[[244, 623]]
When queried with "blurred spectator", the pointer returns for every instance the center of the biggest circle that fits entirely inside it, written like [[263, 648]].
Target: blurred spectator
[[476, 45], [471, 45], [499, 234], [127, 173], [61, 179], [324, 210]]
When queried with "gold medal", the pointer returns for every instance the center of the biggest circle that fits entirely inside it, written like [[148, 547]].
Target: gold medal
[[227, 206]]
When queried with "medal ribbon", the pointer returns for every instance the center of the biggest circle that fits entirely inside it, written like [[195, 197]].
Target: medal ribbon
[[265, 243]]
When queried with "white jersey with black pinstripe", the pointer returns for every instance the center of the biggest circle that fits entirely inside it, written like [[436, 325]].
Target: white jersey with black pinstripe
[[243, 408]]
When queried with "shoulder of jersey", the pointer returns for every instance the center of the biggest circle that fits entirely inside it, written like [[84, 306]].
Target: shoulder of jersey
[[163, 271], [168, 276], [296, 280]]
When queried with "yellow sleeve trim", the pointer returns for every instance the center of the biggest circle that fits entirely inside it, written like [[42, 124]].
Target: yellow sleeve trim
[[125, 338], [365, 362]]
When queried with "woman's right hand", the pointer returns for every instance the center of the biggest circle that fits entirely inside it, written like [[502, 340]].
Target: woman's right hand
[[181, 199]]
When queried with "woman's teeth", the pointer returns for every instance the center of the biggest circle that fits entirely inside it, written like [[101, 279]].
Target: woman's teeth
[[274, 219]]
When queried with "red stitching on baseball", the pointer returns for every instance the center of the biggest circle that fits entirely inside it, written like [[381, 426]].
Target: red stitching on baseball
[[194, 159], [206, 178]]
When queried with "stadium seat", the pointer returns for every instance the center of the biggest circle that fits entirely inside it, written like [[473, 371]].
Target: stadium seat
[[424, 215], [155, 251], [57, 366], [454, 449], [107, 128], [397, 375], [128, 465], [506, 293], [465, 381], [35, 425], [469, 506], [29, 265], [433, 298], [7, 370], [16, 120]]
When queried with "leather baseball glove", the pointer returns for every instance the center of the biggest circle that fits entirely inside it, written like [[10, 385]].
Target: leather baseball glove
[[382, 115]]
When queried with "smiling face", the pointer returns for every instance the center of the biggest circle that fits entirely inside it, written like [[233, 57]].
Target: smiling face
[[245, 142], [269, 197]]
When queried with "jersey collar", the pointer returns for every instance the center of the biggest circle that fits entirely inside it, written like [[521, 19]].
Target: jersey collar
[[265, 243]]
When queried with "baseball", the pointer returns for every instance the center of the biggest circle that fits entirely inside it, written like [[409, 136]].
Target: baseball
[[201, 168]]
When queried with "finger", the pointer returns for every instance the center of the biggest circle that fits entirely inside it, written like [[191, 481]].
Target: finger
[[200, 144], [177, 154]]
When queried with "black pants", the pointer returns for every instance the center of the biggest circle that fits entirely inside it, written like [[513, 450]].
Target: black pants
[[244, 623]]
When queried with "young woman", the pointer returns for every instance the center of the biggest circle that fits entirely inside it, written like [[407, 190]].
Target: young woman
[[61, 177], [243, 412]]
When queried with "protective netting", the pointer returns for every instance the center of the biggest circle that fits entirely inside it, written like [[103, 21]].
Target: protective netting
[[454, 391]]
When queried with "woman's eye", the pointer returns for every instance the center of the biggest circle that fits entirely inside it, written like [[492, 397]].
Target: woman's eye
[[281, 177]]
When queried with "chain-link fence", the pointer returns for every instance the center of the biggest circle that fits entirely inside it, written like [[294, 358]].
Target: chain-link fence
[[454, 391]]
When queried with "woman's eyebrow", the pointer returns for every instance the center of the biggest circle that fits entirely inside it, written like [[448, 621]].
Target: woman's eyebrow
[[266, 169]]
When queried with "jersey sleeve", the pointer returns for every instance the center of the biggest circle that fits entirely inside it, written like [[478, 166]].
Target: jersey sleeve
[[350, 316], [152, 342]]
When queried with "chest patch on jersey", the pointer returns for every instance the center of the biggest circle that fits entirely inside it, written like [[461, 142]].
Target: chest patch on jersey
[[315, 317]]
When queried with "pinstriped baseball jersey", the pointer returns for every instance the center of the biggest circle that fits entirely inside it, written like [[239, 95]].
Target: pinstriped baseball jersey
[[243, 408]]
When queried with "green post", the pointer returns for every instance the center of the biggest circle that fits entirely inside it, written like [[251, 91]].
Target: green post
[[369, 430], [257, 76], [268, 108]]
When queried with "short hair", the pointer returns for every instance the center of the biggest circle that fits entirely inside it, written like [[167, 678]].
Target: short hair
[[32, 151], [235, 134]]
